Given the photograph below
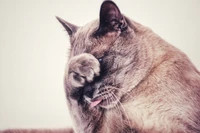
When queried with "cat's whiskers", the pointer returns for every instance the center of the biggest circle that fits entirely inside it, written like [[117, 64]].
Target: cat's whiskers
[[126, 93], [113, 98], [108, 102], [118, 109], [107, 99], [125, 113]]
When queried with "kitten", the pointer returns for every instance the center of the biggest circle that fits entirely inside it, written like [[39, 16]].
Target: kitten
[[123, 78]]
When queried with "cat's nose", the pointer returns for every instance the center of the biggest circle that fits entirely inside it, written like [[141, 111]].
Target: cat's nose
[[91, 89], [88, 91]]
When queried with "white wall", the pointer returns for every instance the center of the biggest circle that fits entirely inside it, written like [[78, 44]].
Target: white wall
[[33, 50]]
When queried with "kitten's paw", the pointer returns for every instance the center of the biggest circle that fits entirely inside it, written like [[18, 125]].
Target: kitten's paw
[[82, 69]]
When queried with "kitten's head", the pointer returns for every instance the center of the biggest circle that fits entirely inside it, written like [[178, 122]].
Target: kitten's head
[[111, 40]]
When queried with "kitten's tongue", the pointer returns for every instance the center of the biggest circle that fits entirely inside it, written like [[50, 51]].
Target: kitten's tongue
[[95, 103]]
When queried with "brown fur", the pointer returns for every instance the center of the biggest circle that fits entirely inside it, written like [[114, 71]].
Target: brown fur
[[145, 85], [37, 131]]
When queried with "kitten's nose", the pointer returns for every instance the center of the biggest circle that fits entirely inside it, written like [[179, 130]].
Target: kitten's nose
[[91, 89], [88, 91]]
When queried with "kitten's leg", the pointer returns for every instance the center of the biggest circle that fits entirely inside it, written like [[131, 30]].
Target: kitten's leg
[[38, 131], [81, 70]]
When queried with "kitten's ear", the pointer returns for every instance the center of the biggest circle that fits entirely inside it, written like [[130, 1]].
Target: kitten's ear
[[70, 28], [111, 19]]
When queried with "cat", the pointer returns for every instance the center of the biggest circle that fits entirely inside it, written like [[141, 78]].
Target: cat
[[123, 78]]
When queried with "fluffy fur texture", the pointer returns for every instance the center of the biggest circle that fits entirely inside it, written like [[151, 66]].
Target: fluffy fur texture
[[123, 78], [37, 131]]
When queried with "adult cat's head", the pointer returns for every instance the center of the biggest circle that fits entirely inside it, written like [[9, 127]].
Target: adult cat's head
[[115, 41]]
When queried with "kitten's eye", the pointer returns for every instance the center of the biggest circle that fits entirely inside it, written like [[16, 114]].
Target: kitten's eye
[[100, 60]]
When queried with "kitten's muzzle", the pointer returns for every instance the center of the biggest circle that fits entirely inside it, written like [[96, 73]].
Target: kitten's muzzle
[[90, 91]]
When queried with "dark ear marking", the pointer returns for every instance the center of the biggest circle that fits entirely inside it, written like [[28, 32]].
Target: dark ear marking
[[70, 28], [111, 19]]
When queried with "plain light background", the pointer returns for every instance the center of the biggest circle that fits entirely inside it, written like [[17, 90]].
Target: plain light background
[[34, 46]]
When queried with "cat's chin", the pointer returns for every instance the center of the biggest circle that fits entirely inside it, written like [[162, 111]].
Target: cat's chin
[[106, 98], [104, 103]]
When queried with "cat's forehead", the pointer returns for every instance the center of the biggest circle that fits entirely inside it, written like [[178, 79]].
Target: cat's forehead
[[84, 40], [88, 29]]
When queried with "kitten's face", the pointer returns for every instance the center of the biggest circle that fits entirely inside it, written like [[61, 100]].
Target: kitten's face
[[107, 40]]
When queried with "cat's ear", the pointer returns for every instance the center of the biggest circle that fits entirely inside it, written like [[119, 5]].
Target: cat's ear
[[70, 28], [111, 19]]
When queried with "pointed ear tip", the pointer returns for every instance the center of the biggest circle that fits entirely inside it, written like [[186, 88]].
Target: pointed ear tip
[[108, 2], [62, 21], [58, 18]]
